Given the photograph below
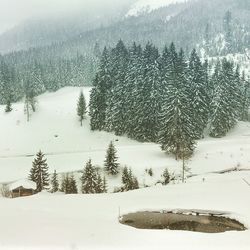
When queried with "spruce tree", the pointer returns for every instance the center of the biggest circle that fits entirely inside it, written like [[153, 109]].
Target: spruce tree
[[54, 183], [198, 93], [39, 172], [245, 98], [177, 132], [115, 112], [166, 177], [104, 185], [225, 104], [129, 181], [99, 184], [111, 164], [72, 185], [8, 107], [99, 93], [81, 107], [89, 179]]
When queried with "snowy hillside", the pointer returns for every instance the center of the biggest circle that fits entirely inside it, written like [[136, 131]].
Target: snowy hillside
[[142, 6], [55, 130]]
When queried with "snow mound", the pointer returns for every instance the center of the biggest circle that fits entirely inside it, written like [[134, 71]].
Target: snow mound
[[146, 6]]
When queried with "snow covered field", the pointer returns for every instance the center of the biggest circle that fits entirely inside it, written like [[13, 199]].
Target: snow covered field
[[91, 221]]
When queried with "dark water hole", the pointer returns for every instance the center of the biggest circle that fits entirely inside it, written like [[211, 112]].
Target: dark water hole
[[195, 222]]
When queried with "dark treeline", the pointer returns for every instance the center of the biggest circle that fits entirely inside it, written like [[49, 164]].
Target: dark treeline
[[44, 75], [166, 97]]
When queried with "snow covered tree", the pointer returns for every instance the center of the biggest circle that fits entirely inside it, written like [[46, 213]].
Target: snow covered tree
[[227, 23], [72, 185], [54, 183], [81, 107], [111, 164], [116, 95], [245, 97], [166, 177], [39, 172], [129, 181], [149, 104], [225, 104], [29, 99], [68, 185], [101, 184], [104, 185], [177, 132], [89, 179], [198, 93], [8, 107], [98, 97]]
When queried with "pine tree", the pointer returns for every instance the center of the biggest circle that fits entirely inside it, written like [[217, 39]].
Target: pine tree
[[8, 107], [177, 133], [63, 183], [111, 165], [198, 93], [227, 23], [30, 100], [81, 107], [72, 185], [99, 184], [99, 93], [245, 101], [39, 172], [89, 179], [54, 183], [225, 104], [104, 185], [129, 181], [116, 95], [166, 177]]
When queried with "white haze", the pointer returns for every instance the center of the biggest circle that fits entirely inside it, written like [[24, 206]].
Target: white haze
[[12, 12]]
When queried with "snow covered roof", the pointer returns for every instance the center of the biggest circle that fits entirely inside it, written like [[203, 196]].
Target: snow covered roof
[[23, 183]]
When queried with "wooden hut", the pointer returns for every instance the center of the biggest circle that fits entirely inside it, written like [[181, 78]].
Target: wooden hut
[[22, 188]]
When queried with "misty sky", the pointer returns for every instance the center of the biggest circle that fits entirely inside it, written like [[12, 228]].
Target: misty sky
[[13, 12]]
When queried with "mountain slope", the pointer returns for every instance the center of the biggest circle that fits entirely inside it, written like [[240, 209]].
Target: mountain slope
[[42, 31], [147, 6]]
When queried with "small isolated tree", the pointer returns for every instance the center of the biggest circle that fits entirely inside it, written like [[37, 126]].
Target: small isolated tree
[[39, 172], [150, 172], [54, 183], [111, 164], [101, 185], [29, 106], [89, 179], [104, 185], [8, 107], [166, 177], [81, 107], [63, 183], [72, 185], [129, 180], [68, 185]]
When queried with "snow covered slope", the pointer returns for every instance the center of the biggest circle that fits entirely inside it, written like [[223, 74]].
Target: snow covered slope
[[55, 130], [142, 6], [90, 222]]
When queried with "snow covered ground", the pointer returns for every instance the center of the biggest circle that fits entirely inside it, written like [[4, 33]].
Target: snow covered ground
[[142, 6], [47, 221], [55, 130], [91, 221]]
